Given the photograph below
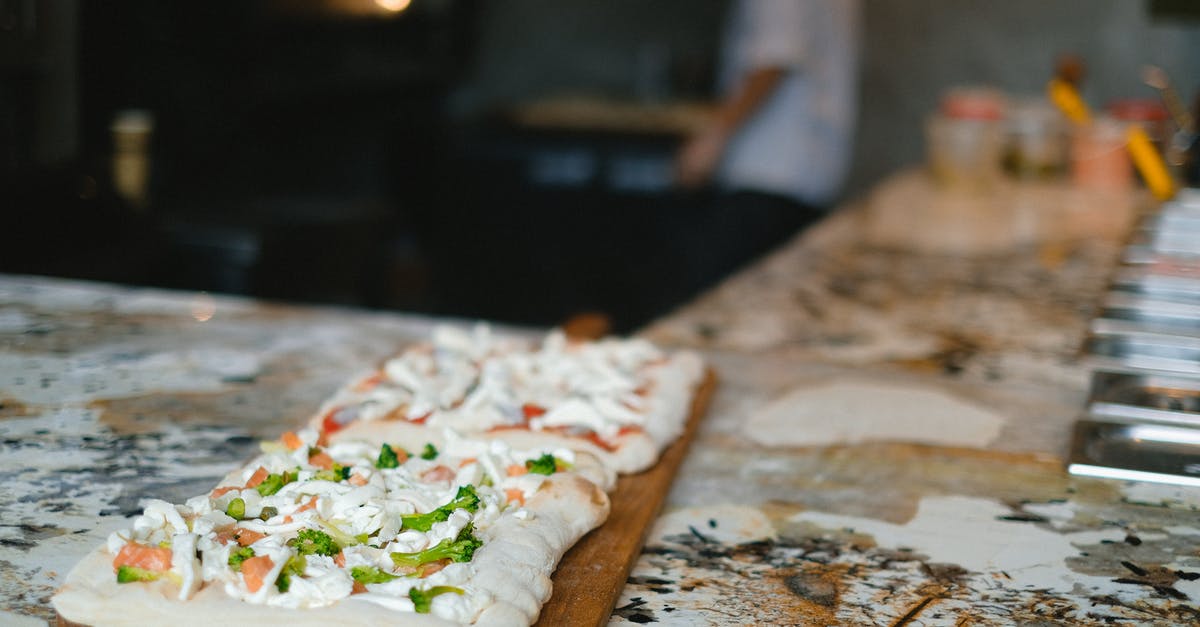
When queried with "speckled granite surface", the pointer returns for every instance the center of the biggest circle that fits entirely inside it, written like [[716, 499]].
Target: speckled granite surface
[[885, 446], [111, 394]]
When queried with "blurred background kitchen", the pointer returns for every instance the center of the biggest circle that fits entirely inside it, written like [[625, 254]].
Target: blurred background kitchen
[[509, 160]]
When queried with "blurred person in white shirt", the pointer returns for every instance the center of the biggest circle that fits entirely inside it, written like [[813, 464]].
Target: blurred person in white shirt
[[778, 146]]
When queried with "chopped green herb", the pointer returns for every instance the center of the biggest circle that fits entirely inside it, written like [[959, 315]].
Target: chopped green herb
[[429, 452], [294, 567], [314, 541], [423, 598], [370, 574], [274, 482], [544, 465], [335, 474], [238, 556], [128, 574], [466, 498], [236, 509], [387, 458]]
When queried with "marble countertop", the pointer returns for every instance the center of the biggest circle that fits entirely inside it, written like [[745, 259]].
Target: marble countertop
[[885, 447]]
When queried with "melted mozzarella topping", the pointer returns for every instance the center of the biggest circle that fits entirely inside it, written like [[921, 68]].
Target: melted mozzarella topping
[[203, 537], [472, 382]]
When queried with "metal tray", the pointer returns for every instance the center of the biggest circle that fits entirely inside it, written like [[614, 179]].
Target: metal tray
[[1188, 197], [1149, 397], [1180, 284], [1174, 242], [1135, 452], [1134, 352], [1149, 314], [1175, 219], [1141, 252]]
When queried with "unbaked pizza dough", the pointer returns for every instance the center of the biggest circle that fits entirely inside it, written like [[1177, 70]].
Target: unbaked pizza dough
[[851, 412]]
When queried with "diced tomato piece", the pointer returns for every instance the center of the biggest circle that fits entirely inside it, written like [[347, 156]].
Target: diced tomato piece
[[255, 569], [291, 440], [598, 441], [508, 428], [155, 558], [329, 424], [357, 479], [321, 460], [222, 490], [307, 506], [369, 382], [515, 495], [438, 473], [258, 477], [246, 537], [516, 470], [420, 420], [340, 559], [358, 588], [467, 462], [530, 410]]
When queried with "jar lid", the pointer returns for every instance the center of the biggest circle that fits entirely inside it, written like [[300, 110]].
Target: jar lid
[[973, 103], [1138, 110]]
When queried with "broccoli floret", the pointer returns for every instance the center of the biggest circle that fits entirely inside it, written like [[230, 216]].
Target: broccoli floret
[[236, 509], [429, 452], [460, 549], [423, 598], [387, 458], [274, 482], [335, 474], [294, 566], [128, 574], [237, 557], [341, 537], [544, 465], [314, 541], [370, 574], [466, 498], [424, 522]]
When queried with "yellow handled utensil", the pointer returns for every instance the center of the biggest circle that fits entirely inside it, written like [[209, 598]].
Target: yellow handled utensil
[[1149, 162], [1067, 99]]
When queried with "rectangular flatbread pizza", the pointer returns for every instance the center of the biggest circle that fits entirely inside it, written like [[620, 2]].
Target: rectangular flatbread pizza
[[441, 488], [352, 533], [622, 400]]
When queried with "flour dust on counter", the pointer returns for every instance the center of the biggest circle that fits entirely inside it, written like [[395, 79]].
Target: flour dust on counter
[[1016, 316], [66, 466], [111, 394], [847, 411], [1001, 565]]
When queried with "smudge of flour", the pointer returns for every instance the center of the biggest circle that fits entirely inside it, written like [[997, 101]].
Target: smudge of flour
[[981, 541], [851, 412], [719, 523], [116, 373]]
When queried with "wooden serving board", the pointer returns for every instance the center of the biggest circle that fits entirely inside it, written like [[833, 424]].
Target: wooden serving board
[[591, 575]]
